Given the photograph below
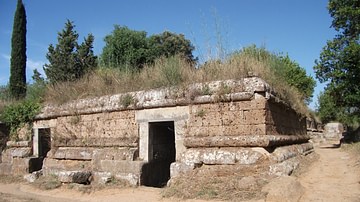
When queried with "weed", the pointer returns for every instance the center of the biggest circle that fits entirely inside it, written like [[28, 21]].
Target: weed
[[201, 113], [74, 120], [205, 90], [126, 100]]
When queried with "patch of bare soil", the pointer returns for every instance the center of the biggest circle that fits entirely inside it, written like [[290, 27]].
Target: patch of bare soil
[[335, 176]]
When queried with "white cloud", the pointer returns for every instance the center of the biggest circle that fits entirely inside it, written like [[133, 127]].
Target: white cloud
[[31, 65], [34, 64], [5, 56]]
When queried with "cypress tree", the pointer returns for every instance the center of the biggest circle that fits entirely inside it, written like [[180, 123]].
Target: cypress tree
[[17, 81]]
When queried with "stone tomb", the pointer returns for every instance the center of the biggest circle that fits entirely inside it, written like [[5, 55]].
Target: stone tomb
[[147, 137]]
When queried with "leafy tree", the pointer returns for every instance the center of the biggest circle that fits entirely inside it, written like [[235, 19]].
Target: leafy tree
[[126, 48], [17, 83], [69, 61], [296, 76], [285, 68], [170, 44], [339, 62], [327, 111]]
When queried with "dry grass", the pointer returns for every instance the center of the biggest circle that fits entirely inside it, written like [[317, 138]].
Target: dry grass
[[9, 179], [173, 71], [47, 183], [233, 183]]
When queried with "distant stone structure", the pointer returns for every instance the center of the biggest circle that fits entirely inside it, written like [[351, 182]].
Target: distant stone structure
[[334, 131], [147, 137]]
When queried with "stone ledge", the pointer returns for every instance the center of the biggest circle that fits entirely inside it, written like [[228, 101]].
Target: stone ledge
[[284, 168], [244, 141], [281, 154], [18, 143], [166, 97], [73, 153], [97, 142], [20, 152], [119, 166], [223, 156]]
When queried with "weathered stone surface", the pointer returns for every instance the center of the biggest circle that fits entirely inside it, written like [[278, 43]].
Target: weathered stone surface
[[97, 142], [81, 177], [6, 156], [221, 156], [71, 153], [16, 152], [244, 90], [20, 166], [178, 168], [333, 131], [284, 189], [31, 177], [54, 165], [244, 141], [284, 168], [250, 156], [132, 178], [5, 168], [120, 166], [21, 152], [101, 177], [283, 153], [18, 143], [100, 154]]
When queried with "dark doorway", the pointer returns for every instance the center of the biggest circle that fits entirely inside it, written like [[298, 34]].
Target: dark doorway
[[162, 153], [44, 146], [44, 141]]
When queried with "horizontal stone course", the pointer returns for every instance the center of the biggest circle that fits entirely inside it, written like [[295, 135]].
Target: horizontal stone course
[[244, 141], [223, 156]]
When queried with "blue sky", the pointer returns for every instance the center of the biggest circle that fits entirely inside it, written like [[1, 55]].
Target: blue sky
[[297, 27]]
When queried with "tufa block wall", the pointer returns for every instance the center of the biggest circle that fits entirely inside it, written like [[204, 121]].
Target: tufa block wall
[[99, 139]]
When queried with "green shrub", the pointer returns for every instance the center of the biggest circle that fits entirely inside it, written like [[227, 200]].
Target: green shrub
[[17, 114]]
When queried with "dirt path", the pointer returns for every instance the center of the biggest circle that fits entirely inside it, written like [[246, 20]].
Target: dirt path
[[334, 177]]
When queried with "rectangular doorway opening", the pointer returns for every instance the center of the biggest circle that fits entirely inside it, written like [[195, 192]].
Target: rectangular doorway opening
[[42, 145], [161, 151], [44, 142]]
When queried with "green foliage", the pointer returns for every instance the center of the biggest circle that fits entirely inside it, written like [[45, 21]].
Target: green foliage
[[127, 100], [130, 49], [339, 62], [17, 114], [169, 44], [125, 48], [69, 61], [36, 90], [284, 69], [296, 76], [327, 110], [17, 82]]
